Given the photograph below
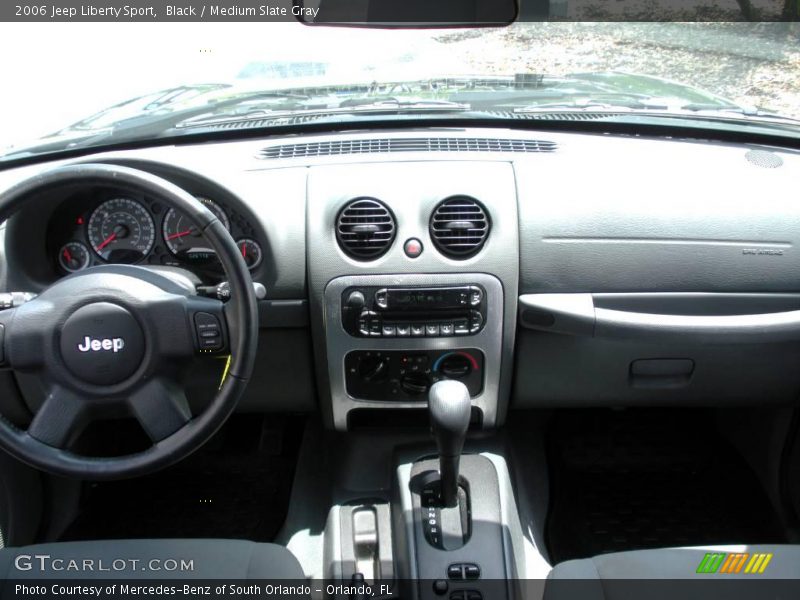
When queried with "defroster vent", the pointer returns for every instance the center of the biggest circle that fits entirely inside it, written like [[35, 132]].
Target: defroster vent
[[405, 144]]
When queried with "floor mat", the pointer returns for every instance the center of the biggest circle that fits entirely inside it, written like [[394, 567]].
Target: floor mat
[[236, 486], [627, 480]]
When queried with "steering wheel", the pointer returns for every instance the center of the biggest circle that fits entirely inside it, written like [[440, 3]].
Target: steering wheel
[[118, 339]]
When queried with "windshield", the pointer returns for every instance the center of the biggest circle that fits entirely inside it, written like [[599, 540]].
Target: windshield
[[105, 83]]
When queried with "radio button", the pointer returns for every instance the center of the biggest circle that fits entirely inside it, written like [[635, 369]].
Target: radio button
[[417, 330], [365, 320], [382, 298], [475, 296], [403, 330], [461, 327], [388, 331], [446, 329], [356, 299], [375, 327], [432, 330], [476, 321]]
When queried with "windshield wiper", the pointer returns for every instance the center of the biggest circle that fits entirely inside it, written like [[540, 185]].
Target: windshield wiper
[[687, 111], [390, 106], [741, 111], [583, 101]]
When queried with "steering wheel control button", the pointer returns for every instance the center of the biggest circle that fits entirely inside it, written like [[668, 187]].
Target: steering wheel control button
[[472, 571], [460, 571], [412, 247], [209, 332], [102, 343], [455, 572]]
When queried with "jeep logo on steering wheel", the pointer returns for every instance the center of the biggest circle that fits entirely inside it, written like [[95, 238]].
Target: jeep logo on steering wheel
[[95, 345]]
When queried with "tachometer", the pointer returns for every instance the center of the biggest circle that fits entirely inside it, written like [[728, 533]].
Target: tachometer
[[121, 230], [184, 239]]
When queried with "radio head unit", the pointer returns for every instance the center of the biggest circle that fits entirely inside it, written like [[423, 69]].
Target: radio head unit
[[426, 299], [433, 311]]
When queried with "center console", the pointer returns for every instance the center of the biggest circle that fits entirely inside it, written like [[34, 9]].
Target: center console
[[403, 312], [410, 334], [390, 338]]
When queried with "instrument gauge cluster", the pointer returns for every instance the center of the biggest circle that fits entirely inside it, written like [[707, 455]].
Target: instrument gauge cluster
[[108, 227], [121, 230], [185, 240]]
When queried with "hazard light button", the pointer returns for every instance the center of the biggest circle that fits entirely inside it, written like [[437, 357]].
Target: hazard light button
[[412, 247]]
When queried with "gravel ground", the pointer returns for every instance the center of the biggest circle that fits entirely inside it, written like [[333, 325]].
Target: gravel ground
[[754, 64]]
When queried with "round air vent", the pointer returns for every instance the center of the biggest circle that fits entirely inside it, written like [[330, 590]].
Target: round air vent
[[459, 227], [365, 228]]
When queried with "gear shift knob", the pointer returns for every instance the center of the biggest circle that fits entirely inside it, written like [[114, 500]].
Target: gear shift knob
[[449, 405]]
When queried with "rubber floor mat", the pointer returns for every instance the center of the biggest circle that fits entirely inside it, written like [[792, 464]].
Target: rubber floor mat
[[236, 486], [635, 479]]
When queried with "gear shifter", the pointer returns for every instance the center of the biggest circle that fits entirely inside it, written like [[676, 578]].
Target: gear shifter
[[450, 406]]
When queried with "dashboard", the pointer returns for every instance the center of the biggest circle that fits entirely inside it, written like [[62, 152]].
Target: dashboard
[[609, 270]]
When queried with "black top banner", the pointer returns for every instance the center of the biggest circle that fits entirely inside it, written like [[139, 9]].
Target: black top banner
[[399, 13]]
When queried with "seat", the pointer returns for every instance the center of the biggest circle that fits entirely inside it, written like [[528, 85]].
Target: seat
[[680, 572], [150, 559]]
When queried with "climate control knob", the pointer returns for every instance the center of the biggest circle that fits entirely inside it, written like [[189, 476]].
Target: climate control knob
[[455, 366], [415, 383], [373, 368]]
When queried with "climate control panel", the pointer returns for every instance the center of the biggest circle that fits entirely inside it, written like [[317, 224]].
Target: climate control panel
[[403, 375], [389, 312]]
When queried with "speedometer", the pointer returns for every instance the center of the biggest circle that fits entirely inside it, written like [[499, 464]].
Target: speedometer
[[121, 230], [184, 239]]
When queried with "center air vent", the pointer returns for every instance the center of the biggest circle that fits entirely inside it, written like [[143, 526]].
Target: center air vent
[[459, 227], [365, 228]]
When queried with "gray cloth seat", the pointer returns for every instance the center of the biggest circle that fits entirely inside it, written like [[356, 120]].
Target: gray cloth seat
[[150, 559], [673, 572]]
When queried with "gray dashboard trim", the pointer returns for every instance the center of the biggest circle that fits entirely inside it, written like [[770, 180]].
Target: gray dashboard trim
[[411, 190], [648, 215], [580, 314], [283, 313]]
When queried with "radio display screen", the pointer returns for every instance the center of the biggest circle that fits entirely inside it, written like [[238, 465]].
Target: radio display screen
[[427, 298]]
